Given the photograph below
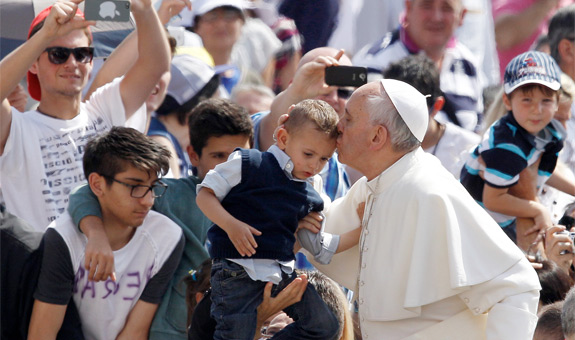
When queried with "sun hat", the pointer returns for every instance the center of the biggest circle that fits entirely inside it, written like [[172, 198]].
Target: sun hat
[[410, 104], [532, 67]]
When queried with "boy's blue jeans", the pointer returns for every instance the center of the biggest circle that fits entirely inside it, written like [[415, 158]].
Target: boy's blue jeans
[[235, 298]]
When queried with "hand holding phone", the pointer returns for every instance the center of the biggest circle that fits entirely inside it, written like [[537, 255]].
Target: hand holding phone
[[107, 10], [346, 76]]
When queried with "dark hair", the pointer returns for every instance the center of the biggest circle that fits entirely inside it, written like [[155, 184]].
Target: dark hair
[[561, 26], [418, 71], [112, 152], [555, 283], [333, 296], [528, 88], [197, 282], [549, 323], [215, 118], [183, 111]]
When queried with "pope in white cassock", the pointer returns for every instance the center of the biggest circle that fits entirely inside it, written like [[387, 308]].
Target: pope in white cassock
[[431, 263]]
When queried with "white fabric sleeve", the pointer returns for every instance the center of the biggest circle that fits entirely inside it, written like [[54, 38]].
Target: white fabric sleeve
[[321, 245], [224, 176], [511, 301]]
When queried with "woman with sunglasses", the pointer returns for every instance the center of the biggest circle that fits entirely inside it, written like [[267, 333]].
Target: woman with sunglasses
[[41, 151]]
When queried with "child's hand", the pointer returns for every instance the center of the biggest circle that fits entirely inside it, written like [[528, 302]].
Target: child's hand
[[241, 235], [311, 222], [542, 221], [99, 257]]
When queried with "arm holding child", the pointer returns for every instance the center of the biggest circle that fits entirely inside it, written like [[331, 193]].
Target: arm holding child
[[501, 201]]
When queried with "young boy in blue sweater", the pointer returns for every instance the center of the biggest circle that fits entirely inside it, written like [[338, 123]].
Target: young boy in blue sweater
[[255, 200], [526, 136]]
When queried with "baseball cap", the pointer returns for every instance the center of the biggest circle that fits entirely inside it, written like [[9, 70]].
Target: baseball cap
[[532, 67], [189, 76], [204, 6], [410, 104], [32, 79]]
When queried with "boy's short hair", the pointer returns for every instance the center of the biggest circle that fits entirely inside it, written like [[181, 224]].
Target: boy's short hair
[[112, 152], [532, 67], [315, 111], [215, 118], [418, 71]]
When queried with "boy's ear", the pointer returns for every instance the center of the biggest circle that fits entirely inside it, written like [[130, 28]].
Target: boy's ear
[[282, 138], [506, 102], [97, 183], [194, 157]]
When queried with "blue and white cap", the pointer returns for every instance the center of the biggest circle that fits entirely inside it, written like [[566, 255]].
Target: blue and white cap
[[532, 67]]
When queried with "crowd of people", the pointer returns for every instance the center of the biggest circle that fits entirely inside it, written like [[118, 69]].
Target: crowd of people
[[437, 199]]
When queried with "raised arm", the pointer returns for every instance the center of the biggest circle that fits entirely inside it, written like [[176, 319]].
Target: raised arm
[[125, 55], [308, 82], [239, 233], [153, 57], [513, 29], [61, 21]]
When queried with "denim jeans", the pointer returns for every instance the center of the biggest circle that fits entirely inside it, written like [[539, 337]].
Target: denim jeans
[[235, 298]]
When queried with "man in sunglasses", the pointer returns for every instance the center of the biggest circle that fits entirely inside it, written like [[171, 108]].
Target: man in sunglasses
[[41, 151], [123, 167]]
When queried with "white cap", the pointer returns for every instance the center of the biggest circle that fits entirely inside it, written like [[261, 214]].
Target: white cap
[[202, 7], [410, 104]]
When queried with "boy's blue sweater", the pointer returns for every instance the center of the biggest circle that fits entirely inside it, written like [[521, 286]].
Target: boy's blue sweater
[[269, 201]]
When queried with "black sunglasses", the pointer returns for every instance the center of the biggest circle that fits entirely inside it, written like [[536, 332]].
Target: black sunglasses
[[344, 93], [59, 55]]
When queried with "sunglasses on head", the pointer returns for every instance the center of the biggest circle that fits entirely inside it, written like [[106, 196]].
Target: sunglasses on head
[[59, 55]]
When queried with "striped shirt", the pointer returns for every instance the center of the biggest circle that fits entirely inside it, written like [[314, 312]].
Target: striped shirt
[[507, 149], [460, 78]]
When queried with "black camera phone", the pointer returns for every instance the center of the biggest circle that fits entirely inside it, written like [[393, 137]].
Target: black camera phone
[[346, 76]]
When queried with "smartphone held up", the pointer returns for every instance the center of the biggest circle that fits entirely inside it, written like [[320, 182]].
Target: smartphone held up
[[107, 10]]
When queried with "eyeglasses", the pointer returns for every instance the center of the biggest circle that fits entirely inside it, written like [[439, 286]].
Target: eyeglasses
[[139, 191], [344, 93], [59, 55]]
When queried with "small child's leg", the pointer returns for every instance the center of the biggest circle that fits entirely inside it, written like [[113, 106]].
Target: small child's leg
[[312, 317], [235, 298]]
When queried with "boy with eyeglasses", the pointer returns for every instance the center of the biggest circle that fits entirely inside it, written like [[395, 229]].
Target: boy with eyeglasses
[[41, 151], [123, 168]]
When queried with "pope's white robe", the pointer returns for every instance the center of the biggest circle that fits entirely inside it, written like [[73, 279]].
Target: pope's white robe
[[430, 253]]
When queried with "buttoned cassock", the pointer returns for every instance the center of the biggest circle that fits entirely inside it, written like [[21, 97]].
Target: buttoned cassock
[[431, 263]]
